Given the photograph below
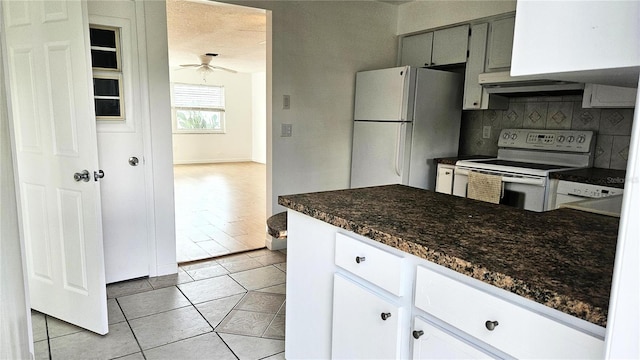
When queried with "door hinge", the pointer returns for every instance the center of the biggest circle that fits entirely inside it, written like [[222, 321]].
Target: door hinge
[[467, 54], [469, 31]]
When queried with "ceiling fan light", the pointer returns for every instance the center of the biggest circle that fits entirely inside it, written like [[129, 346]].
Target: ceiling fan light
[[204, 69]]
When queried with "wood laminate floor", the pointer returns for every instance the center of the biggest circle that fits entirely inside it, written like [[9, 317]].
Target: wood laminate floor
[[220, 209]]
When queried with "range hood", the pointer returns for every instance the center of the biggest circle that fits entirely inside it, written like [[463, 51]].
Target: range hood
[[504, 84]]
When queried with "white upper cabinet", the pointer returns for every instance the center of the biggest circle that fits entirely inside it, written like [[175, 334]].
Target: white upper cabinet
[[585, 41], [605, 96], [440, 47], [416, 50], [475, 97], [450, 46], [500, 44]]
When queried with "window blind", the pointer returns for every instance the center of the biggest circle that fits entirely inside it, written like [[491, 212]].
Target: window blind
[[198, 96]]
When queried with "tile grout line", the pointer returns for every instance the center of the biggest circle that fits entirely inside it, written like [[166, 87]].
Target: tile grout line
[[46, 326], [130, 328], [213, 329]]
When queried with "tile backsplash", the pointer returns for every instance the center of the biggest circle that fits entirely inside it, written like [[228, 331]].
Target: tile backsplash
[[612, 126]]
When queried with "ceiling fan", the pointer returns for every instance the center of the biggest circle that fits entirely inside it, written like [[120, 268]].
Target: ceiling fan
[[204, 66]]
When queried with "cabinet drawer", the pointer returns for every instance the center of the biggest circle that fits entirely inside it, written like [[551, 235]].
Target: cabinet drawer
[[519, 332], [431, 342], [370, 263]]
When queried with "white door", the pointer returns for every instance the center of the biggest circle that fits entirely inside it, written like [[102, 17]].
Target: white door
[[124, 211], [52, 112]]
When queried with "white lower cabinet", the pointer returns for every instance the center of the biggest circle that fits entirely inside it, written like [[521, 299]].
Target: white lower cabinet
[[341, 304], [444, 179], [432, 342], [365, 325]]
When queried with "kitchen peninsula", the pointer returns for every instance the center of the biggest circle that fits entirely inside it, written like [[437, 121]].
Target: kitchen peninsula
[[555, 265]]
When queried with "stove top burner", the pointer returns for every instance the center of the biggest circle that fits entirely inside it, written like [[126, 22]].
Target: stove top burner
[[520, 164]]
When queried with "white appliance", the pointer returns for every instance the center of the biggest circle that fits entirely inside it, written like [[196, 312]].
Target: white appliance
[[570, 192], [525, 159], [404, 118]]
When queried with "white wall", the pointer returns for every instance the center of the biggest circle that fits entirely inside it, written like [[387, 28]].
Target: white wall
[[157, 63], [14, 314], [420, 15], [259, 117], [236, 143], [317, 47]]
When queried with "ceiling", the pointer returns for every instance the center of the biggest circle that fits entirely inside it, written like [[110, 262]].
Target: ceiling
[[236, 33]]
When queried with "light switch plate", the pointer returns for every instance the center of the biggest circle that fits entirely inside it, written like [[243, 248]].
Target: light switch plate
[[286, 102], [286, 130], [486, 132]]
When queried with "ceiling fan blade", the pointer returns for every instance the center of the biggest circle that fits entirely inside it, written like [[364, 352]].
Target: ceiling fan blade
[[190, 65], [223, 69]]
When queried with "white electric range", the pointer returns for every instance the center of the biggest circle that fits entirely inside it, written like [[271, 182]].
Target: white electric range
[[525, 159]]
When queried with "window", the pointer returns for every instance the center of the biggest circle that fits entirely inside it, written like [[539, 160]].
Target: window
[[198, 108], [107, 73]]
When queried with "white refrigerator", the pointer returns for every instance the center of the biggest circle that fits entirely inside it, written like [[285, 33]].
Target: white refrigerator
[[404, 118]]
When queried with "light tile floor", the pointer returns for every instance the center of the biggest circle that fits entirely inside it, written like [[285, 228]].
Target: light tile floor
[[228, 308], [220, 209]]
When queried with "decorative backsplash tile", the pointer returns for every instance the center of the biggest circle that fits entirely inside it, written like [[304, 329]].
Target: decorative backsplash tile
[[535, 115], [513, 117], [612, 126], [620, 152], [559, 115], [585, 119], [616, 121], [602, 152]]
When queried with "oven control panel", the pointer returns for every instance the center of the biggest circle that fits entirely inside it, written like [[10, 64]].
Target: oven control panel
[[552, 140]]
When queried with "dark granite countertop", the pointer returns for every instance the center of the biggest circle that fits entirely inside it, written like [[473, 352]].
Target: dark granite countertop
[[562, 258], [452, 160], [595, 176]]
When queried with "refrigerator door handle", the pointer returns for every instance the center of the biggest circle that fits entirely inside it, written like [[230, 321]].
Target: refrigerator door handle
[[400, 148]]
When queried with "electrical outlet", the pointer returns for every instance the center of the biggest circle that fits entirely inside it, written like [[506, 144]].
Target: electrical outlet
[[286, 130], [486, 132], [286, 102]]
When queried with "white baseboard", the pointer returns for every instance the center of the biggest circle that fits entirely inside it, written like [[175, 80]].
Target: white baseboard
[[210, 161]]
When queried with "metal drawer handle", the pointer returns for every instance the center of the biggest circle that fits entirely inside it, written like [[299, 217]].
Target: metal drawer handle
[[417, 334], [490, 325], [359, 259], [385, 316]]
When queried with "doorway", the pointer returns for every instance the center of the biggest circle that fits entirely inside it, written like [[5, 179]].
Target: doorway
[[217, 72]]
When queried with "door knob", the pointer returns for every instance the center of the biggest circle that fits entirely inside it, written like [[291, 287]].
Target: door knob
[[417, 334], [133, 161], [84, 176], [385, 316], [360, 259], [98, 175]]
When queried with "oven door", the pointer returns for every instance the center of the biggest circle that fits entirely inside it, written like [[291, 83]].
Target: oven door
[[520, 191]]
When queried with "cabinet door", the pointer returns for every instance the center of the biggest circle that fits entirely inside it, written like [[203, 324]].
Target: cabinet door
[[450, 46], [500, 44], [605, 96], [431, 342], [444, 182], [359, 330], [416, 50], [475, 66]]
